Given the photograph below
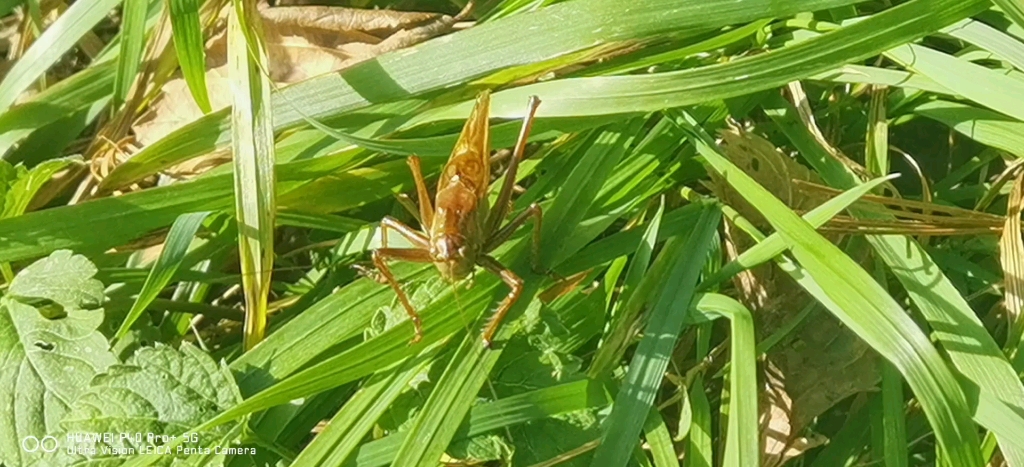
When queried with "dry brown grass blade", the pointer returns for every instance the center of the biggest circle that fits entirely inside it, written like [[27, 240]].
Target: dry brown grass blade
[[1011, 257], [923, 206]]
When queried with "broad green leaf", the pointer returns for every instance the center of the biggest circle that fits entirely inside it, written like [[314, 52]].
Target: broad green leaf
[[63, 278], [48, 363], [158, 392]]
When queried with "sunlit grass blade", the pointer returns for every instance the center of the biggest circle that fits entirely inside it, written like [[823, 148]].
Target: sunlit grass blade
[[1011, 257], [646, 370], [253, 155], [133, 36], [888, 426], [175, 247], [59, 101], [741, 443], [489, 416], [699, 446], [877, 153], [496, 45], [350, 425], [58, 38], [987, 87], [188, 44], [773, 245], [870, 312], [1014, 9], [631, 300], [604, 95], [982, 125], [937, 299]]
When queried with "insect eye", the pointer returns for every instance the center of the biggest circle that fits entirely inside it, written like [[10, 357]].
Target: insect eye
[[462, 251]]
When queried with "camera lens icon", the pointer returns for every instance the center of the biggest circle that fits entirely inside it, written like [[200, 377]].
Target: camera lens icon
[[33, 444]]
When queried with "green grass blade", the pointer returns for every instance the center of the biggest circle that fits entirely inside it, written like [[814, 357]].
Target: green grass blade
[[59, 101], [699, 447], [656, 433], [881, 76], [489, 416], [987, 87], [891, 424], [742, 439], [631, 300], [253, 156], [496, 46], [605, 95], [870, 312], [982, 125], [982, 35], [133, 37], [773, 245], [175, 247], [938, 300], [60, 37], [350, 425], [1014, 9], [648, 366], [188, 44]]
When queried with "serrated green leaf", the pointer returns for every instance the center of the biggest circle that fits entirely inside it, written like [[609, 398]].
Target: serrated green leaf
[[64, 278], [48, 363], [158, 392]]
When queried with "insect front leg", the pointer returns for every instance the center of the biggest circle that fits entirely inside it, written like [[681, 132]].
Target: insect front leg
[[416, 255], [502, 235], [514, 282], [426, 216], [418, 240]]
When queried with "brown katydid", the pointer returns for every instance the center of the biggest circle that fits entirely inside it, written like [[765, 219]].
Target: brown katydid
[[460, 228]]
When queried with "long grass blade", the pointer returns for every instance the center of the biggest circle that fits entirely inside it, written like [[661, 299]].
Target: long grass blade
[[133, 37], [60, 37], [868, 311], [175, 247], [188, 44], [253, 155], [936, 298], [647, 368]]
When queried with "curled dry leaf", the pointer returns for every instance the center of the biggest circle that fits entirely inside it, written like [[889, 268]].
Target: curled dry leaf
[[302, 42], [820, 363]]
